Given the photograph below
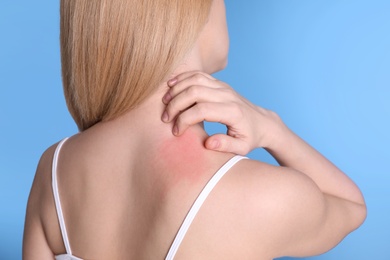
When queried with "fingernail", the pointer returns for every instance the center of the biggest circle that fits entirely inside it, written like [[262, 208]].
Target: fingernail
[[165, 117], [172, 82], [167, 97], [175, 130]]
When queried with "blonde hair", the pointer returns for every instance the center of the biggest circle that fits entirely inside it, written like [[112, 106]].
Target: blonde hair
[[114, 53]]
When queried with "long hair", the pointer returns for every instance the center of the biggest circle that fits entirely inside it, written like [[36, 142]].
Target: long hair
[[114, 53]]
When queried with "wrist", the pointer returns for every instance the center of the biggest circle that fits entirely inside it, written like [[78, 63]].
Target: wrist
[[277, 132]]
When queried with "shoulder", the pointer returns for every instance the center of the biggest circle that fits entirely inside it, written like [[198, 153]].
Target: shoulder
[[279, 189], [41, 195], [273, 204], [39, 201], [265, 182], [42, 176]]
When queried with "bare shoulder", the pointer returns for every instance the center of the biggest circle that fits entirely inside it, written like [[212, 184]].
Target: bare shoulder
[[34, 241], [275, 211], [278, 188], [42, 177], [280, 195]]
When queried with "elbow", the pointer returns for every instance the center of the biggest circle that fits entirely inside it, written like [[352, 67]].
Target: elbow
[[357, 217], [362, 215], [360, 212]]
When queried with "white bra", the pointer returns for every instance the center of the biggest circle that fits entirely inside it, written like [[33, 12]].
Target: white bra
[[184, 227]]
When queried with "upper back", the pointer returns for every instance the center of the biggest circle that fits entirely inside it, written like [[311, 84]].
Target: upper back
[[114, 209], [129, 203]]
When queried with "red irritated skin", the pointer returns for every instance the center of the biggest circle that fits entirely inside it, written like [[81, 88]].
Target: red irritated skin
[[182, 158]]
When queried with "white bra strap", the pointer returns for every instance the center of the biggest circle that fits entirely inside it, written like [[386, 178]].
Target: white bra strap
[[198, 203], [57, 198]]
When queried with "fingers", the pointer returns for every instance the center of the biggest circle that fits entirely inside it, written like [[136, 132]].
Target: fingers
[[186, 80], [187, 75], [226, 143], [194, 95], [212, 112]]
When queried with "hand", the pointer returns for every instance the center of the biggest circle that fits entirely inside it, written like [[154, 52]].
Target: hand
[[195, 97]]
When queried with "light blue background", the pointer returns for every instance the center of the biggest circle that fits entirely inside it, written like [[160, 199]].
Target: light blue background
[[324, 66]]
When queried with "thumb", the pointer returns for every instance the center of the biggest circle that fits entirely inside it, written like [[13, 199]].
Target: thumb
[[226, 143]]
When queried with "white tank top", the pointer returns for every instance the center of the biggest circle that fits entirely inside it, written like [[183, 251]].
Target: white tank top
[[184, 227]]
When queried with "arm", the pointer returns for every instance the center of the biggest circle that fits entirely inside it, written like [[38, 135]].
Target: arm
[[34, 240], [339, 201], [305, 221], [325, 196], [291, 151]]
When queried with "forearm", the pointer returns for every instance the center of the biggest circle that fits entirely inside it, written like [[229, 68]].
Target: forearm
[[291, 151]]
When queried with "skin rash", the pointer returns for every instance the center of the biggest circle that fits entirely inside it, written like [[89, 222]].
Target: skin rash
[[183, 158]]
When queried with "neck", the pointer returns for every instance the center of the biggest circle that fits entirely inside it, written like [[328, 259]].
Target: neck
[[146, 118], [150, 111]]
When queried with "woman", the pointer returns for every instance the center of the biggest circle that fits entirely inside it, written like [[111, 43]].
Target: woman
[[142, 179]]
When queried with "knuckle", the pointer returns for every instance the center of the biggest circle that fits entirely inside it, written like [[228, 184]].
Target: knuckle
[[199, 77], [193, 91], [229, 93], [225, 85]]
